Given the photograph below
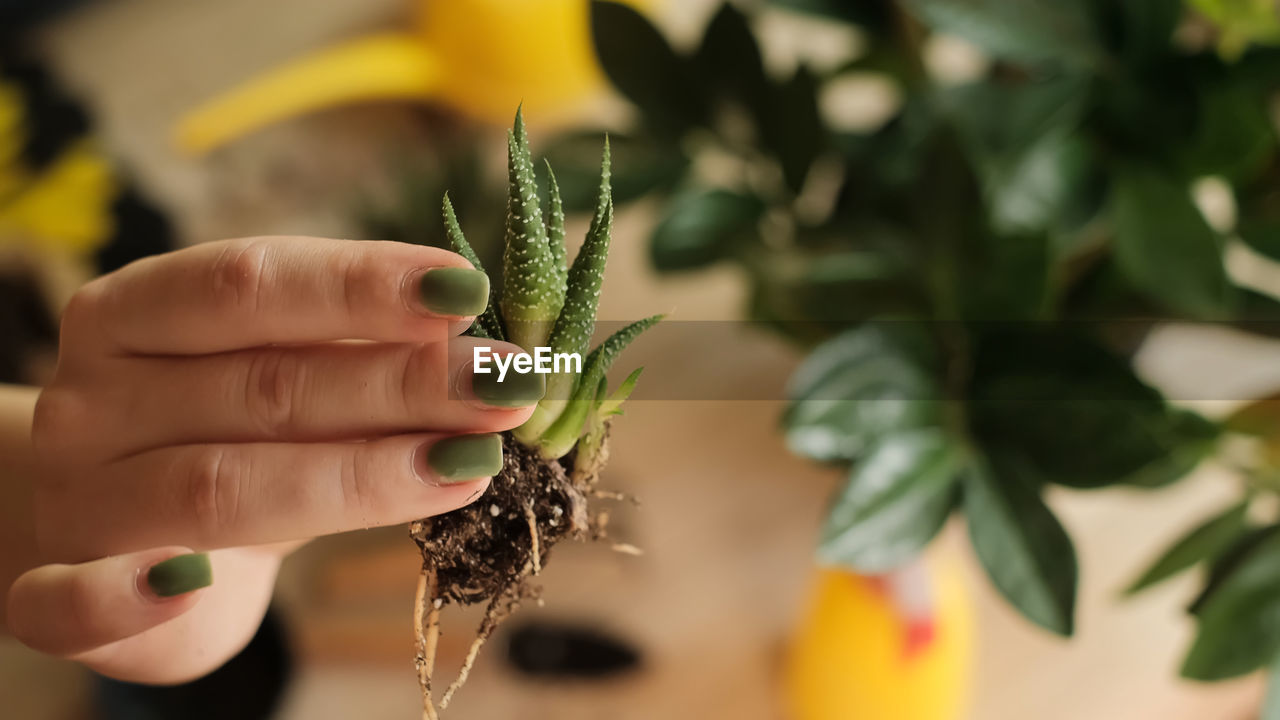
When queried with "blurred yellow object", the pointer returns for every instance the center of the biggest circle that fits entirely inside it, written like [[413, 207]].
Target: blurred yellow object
[[64, 207], [893, 647], [1242, 23], [482, 57]]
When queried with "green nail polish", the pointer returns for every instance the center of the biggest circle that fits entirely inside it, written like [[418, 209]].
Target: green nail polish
[[466, 457], [180, 574], [515, 390], [454, 291]]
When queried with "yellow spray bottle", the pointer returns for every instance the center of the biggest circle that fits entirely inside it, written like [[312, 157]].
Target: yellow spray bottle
[[481, 57]]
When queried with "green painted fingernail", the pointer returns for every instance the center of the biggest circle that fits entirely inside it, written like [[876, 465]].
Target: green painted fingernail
[[515, 389], [454, 291], [180, 574], [466, 457]]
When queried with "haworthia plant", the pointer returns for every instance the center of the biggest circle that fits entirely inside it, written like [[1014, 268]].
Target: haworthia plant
[[543, 303]]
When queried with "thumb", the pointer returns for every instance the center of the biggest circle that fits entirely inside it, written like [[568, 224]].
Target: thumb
[[70, 610]]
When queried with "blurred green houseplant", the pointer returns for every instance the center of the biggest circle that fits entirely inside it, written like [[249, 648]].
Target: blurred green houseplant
[[973, 276]]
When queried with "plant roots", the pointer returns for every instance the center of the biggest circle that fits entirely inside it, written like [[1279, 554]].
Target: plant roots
[[490, 550]]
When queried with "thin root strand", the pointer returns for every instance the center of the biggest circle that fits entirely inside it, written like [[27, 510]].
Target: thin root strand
[[426, 625], [535, 551]]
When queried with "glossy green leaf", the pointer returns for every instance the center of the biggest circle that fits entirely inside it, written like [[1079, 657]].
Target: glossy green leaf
[[1036, 31], [1205, 541], [1034, 190], [731, 60], [791, 126], [871, 381], [1229, 560], [1011, 117], [1023, 140], [1261, 234], [1239, 623], [1164, 245], [1258, 207], [1140, 32], [1005, 277], [1022, 546], [1190, 439], [1071, 412], [812, 297], [701, 227], [641, 64], [1234, 136], [641, 165], [895, 501]]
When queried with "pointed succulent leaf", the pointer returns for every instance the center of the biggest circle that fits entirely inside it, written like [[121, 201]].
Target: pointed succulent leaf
[[456, 239], [487, 325], [555, 229], [577, 319], [564, 432], [530, 302], [612, 404]]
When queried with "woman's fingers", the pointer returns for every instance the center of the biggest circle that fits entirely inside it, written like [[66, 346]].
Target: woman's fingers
[[245, 293], [226, 495], [334, 391], [67, 610]]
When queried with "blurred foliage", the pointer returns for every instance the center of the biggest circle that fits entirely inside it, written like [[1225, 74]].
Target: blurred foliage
[[454, 163], [973, 275]]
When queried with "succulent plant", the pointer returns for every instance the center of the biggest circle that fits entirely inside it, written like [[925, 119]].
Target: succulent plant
[[488, 551]]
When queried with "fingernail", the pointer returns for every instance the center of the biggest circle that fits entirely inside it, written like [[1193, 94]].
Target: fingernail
[[465, 457], [454, 291], [180, 574], [515, 390]]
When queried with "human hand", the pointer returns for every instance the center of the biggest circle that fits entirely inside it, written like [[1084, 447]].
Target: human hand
[[241, 397]]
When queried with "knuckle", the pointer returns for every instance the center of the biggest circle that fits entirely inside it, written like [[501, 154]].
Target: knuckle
[[58, 415], [359, 284], [213, 491], [238, 275], [357, 477], [271, 391], [84, 312], [84, 302], [415, 381]]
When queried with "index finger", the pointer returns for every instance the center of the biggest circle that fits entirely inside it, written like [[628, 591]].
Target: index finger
[[238, 294]]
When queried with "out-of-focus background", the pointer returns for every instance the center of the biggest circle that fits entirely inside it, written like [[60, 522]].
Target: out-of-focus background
[[729, 518]]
